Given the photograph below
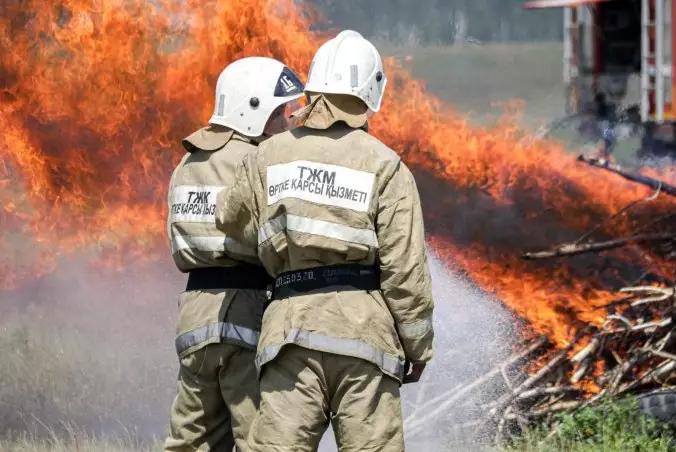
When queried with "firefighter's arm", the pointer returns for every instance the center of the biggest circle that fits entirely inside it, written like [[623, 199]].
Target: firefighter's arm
[[235, 207], [405, 276]]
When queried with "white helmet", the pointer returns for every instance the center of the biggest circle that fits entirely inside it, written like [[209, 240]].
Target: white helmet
[[249, 90], [348, 64]]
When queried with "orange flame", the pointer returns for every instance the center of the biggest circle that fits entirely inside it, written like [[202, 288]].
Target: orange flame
[[95, 94]]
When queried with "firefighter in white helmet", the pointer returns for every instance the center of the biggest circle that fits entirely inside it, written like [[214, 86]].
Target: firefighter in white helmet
[[222, 306], [340, 228]]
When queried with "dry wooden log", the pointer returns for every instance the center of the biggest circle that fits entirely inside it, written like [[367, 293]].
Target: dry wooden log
[[553, 365], [665, 369], [661, 354], [626, 367], [648, 327], [544, 392], [658, 294], [650, 378], [613, 304], [582, 371], [588, 350], [585, 357], [638, 178], [539, 392], [554, 408], [572, 249]]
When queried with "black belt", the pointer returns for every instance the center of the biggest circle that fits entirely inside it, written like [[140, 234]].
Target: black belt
[[245, 276], [349, 276]]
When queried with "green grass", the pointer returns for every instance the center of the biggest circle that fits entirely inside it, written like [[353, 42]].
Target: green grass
[[612, 426]]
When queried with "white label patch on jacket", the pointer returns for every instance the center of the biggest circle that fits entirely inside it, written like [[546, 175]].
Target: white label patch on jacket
[[194, 203], [321, 183]]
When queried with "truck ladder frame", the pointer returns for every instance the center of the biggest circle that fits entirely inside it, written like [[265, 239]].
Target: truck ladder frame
[[656, 62]]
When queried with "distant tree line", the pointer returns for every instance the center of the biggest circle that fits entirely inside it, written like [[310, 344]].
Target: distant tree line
[[444, 21]]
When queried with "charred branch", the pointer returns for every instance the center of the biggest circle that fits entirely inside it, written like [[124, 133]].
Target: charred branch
[[572, 249], [655, 184]]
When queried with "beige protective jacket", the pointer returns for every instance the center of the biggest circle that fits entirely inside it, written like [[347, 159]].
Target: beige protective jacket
[[214, 315], [333, 195]]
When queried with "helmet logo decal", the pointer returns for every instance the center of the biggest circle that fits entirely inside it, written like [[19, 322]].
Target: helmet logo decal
[[288, 84]]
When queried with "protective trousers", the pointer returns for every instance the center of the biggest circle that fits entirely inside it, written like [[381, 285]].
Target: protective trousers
[[302, 390], [216, 402]]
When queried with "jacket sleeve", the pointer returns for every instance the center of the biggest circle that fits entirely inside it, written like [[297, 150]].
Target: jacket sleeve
[[404, 271], [236, 214], [170, 190]]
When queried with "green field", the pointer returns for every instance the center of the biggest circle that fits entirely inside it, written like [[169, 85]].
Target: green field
[[473, 77]]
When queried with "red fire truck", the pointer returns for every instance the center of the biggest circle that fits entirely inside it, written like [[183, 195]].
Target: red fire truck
[[607, 46]]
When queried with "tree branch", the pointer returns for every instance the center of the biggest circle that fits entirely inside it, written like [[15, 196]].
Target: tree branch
[[572, 249], [638, 178]]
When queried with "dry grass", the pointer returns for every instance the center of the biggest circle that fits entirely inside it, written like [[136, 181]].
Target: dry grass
[[75, 442], [75, 356], [54, 375]]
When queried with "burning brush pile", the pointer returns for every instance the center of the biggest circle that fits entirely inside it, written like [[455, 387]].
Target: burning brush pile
[[631, 350], [95, 96]]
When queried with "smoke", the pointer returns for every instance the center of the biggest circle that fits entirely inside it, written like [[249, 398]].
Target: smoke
[[90, 349], [76, 356]]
